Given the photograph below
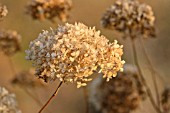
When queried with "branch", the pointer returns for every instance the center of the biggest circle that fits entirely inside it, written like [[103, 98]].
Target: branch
[[49, 100], [153, 72], [143, 79]]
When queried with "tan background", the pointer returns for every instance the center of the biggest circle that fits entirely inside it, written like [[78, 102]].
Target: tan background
[[70, 99]]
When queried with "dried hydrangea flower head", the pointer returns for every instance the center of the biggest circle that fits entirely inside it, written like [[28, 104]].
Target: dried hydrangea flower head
[[49, 9], [27, 79], [3, 11], [120, 95], [131, 18], [9, 42], [166, 100], [8, 103], [72, 53]]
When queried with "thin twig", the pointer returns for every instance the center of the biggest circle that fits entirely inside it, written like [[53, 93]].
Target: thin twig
[[143, 79], [11, 65], [85, 91], [49, 100], [153, 72]]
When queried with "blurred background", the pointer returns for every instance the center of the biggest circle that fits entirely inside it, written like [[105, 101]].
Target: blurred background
[[70, 99]]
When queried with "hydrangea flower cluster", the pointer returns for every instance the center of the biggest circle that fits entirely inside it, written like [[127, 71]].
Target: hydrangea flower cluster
[[120, 95], [131, 18], [72, 53], [9, 42], [8, 102], [49, 9], [3, 11]]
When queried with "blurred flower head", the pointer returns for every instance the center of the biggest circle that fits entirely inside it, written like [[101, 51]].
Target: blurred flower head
[[27, 79], [3, 11], [9, 42], [49, 9], [72, 53], [120, 95], [131, 18], [166, 100], [8, 103]]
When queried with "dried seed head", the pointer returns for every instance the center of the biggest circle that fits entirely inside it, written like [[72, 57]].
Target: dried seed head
[[49, 9], [131, 18], [166, 100], [3, 11], [72, 53], [9, 42], [8, 103], [120, 95], [26, 78]]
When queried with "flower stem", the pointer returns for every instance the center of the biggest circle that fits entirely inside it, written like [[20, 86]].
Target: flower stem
[[49, 100], [143, 79], [153, 72]]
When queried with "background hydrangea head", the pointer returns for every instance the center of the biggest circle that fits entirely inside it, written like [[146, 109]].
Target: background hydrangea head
[[131, 18]]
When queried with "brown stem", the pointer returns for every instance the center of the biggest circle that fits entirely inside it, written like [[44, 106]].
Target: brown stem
[[49, 100], [153, 72], [85, 91], [143, 79]]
